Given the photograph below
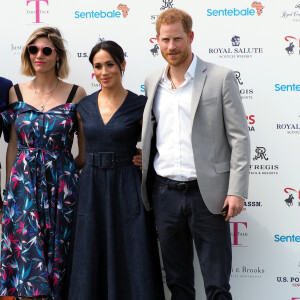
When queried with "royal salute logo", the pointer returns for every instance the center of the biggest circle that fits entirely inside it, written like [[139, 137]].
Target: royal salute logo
[[235, 51], [245, 92], [262, 164], [239, 234], [292, 12], [293, 198], [37, 8], [257, 9], [289, 127], [293, 45]]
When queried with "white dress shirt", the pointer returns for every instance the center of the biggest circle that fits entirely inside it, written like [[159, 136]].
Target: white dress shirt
[[172, 109]]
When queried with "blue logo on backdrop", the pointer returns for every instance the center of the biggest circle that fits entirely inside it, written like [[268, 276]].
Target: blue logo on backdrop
[[97, 14], [287, 238], [256, 7], [287, 87], [230, 12]]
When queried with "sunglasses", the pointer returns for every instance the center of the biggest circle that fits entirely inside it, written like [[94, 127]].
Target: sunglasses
[[33, 49]]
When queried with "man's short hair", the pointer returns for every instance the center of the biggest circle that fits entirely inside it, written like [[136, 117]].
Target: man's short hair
[[174, 15]]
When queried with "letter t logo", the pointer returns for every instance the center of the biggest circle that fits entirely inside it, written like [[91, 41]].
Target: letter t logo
[[236, 232], [37, 8]]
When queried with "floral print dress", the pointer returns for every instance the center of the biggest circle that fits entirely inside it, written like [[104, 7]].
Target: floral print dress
[[39, 201]]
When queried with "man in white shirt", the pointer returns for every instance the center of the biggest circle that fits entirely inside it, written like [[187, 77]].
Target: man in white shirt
[[196, 158]]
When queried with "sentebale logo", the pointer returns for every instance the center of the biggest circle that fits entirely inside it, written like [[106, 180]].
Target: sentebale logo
[[256, 7], [37, 9]]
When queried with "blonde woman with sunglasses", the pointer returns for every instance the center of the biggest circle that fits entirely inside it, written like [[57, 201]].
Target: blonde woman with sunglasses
[[41, 174]]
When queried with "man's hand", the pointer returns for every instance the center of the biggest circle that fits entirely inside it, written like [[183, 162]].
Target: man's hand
[[235, 205], [137, 159]]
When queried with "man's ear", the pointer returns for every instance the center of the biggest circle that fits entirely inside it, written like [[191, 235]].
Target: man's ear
[[191, 37]]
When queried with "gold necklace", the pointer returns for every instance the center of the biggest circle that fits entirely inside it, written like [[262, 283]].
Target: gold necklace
[[43, 104], [170, 77]]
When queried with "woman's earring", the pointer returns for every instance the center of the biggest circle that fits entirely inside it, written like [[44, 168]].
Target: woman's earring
[[57, 64]]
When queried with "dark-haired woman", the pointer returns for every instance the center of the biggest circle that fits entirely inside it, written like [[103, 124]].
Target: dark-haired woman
[[115, 252], [41, 177]]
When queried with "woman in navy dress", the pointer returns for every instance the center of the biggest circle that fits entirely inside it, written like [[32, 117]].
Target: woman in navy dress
[[115, 254]]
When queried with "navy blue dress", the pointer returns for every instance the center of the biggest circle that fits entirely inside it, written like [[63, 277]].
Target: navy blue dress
[[115, 253]]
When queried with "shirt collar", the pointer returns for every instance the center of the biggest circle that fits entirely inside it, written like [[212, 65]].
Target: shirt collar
[[190, 73]]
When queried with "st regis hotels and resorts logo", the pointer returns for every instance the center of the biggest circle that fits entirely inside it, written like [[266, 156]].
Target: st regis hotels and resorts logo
[[165, 4], [245, 91], [37, 8], [261, 164]]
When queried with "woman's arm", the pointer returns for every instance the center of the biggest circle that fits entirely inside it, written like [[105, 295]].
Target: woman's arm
[[11, 152], [80, 158]]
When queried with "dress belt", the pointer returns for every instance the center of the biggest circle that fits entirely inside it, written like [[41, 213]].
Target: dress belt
[[177, 185], [109, 160]]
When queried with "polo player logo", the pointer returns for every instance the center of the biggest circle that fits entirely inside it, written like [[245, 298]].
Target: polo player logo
[[238, 77], [154, 50], [260, 153], [289, 200], [235, 41], [258, 6], [167, 4], [124, 8], [290, 49]]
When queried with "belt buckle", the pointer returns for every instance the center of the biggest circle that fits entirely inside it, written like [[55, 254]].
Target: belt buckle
[[182, 186], [104, 160], [107, 160]]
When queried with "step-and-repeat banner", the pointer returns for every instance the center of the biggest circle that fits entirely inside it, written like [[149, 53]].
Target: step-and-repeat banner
[[260, 41]]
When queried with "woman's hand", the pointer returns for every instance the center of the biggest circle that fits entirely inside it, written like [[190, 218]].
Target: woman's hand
[[137, 159]]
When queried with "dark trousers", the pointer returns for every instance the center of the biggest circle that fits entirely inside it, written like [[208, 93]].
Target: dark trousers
[[181, 217]]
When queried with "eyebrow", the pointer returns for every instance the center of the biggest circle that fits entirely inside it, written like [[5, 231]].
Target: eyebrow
[[106, 62]]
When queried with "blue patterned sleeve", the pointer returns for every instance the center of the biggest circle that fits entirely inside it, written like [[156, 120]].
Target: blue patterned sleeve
[[7, 116]]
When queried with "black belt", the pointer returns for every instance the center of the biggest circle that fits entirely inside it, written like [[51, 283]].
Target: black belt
[[109, 160], [177, 185]]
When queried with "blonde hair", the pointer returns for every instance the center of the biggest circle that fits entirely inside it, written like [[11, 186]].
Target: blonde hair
[[54, 36], [174, 15]]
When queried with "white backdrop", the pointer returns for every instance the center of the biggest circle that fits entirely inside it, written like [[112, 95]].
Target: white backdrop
[[260, 42]]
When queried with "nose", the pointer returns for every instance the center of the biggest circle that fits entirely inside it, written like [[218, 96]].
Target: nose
[[104, 70], [39, 53], [172, 45]]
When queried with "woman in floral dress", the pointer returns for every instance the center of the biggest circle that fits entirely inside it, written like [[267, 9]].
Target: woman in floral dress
[[41, 173]]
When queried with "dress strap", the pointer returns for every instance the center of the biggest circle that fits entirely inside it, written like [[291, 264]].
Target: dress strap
[[72, 93], [18, 92]]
